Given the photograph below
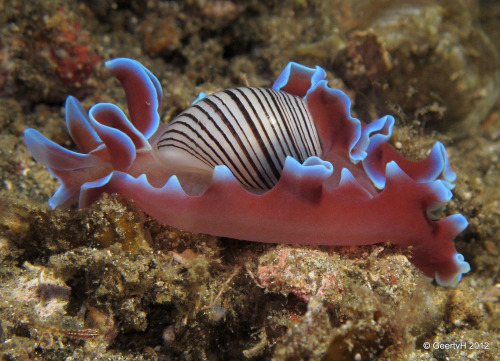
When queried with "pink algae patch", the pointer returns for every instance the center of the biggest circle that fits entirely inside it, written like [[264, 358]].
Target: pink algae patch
[[40, 289], [304, 273]]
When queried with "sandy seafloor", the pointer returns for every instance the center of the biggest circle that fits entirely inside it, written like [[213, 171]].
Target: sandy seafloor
[[111, 283]]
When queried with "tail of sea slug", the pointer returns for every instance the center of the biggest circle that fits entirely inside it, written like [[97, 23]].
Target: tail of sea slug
[[440, 259], [107, 139]]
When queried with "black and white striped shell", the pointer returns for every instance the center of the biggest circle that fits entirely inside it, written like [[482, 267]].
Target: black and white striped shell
[[250, 130]]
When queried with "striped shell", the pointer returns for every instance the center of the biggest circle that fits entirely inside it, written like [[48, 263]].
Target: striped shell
[[250, 130]]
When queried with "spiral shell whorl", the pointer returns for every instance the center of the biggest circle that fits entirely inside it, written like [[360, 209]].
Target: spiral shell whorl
[[250, 130]]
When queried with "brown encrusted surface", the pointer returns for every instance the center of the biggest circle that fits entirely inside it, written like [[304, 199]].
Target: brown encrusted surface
[[109, 282]]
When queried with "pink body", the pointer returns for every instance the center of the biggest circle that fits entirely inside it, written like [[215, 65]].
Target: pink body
[[360, 191]]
